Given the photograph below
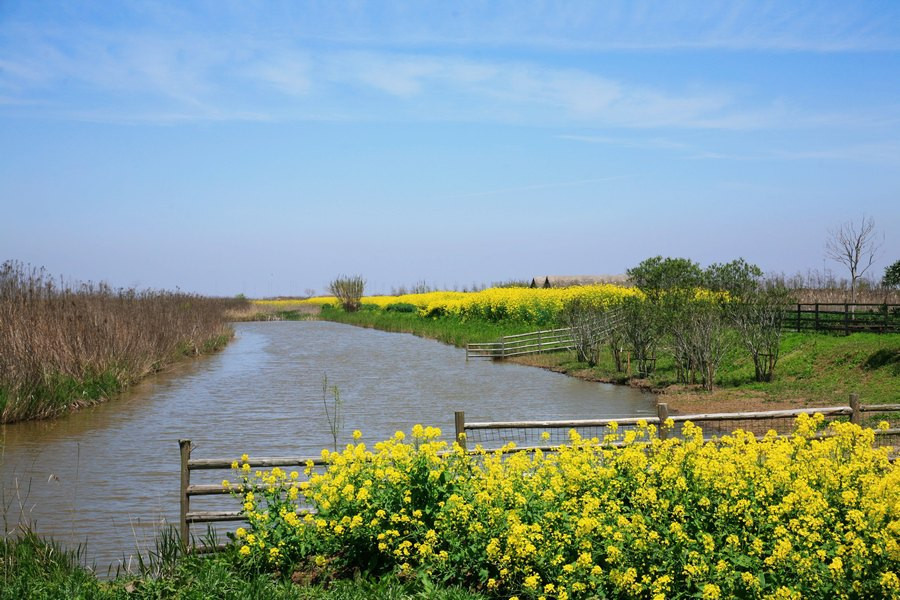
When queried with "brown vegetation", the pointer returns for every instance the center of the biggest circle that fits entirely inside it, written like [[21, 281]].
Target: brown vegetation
[[65, 345]]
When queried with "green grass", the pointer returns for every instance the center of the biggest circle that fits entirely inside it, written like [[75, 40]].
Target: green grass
[[449, 330], [34, 568], [814, 367]]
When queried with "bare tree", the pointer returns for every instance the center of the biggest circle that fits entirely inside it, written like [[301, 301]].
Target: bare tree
[[854, 246]]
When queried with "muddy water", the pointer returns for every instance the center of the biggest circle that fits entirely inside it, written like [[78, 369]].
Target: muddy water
[[107, 476]]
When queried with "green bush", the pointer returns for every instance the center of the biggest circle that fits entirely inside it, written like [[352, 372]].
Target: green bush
[[401, 307]]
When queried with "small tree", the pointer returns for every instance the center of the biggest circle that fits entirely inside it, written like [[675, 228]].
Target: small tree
[[709, 339], [591, 327], [348, 291], [854, 246], [641, 329], [891, 277], [758, 318]]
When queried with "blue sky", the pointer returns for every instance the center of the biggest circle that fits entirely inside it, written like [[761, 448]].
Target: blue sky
[[265, 147]]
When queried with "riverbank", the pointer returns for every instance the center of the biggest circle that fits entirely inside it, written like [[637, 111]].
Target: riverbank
[[815, 369], [65, 346]]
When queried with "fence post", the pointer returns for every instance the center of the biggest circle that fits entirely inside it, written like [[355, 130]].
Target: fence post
[[459, 418], [846, 319], [662, 412], [184, 527], [798, 317], [817, 316], [856, 416]]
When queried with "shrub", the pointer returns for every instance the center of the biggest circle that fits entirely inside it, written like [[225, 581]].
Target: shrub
[[776, 517], [348, 290], [401, 307]]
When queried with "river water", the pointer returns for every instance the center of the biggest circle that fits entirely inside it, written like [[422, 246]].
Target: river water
[[107, 476]]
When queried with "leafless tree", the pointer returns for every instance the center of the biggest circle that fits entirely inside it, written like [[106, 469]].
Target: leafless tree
[[855, 246]]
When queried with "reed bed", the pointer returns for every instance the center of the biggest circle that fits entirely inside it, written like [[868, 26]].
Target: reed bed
[[66, 345]]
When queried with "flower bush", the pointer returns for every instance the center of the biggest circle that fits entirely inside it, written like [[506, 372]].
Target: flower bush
[[796, 517]]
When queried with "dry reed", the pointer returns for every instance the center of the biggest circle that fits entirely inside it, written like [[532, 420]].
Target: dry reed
[[65, 345]]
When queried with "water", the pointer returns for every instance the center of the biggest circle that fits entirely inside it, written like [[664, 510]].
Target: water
[[108, 476]]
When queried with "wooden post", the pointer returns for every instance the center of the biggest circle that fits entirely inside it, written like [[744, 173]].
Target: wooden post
[[798, 317], [846, 319], [184, 527], [856, 416], [662, 411], [817, 316], [459, 418], [540, 347], [628, 360]]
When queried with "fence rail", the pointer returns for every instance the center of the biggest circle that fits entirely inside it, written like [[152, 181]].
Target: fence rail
[[529, 433], [546, 340], [844, 317], [467, 434]]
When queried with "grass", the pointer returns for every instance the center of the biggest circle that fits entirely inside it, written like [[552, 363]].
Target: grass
[[35, 568], [449, 330], [814, 368]]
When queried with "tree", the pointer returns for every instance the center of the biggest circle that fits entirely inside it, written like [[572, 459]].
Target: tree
[[854, 246], [642, 330], [891, 277], [348, 291], [656, 275], [758, 318], [738, 277]]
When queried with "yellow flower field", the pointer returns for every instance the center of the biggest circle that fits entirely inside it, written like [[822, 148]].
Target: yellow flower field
[[527, 305], [793, 517]]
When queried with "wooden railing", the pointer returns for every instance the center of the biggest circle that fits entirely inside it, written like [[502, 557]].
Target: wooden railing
[[546, 340], [188, 517], [846, 318], [532, 433]]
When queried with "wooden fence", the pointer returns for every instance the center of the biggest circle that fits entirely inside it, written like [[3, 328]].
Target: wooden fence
[[547, 340], [500, 432], [844, 317], [530, 434]]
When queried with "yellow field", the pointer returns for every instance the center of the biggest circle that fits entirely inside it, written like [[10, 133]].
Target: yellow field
[[493, 304]]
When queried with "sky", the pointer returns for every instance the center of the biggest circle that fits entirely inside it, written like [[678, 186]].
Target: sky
[[265, 148]]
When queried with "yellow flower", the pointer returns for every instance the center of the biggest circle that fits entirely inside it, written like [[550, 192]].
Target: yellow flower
[[357, 434], [245, 549]]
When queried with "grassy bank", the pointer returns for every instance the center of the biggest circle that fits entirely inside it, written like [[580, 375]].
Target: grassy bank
[[814, 369], [448, 329], [63, 345], [33, 568]]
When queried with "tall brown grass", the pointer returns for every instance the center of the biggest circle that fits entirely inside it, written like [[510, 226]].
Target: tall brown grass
[[65, 345]]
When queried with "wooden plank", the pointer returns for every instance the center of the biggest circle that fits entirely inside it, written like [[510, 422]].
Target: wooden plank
[[880, 407], [215, 516], [559, 424], [769, 414], [276, 461]]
